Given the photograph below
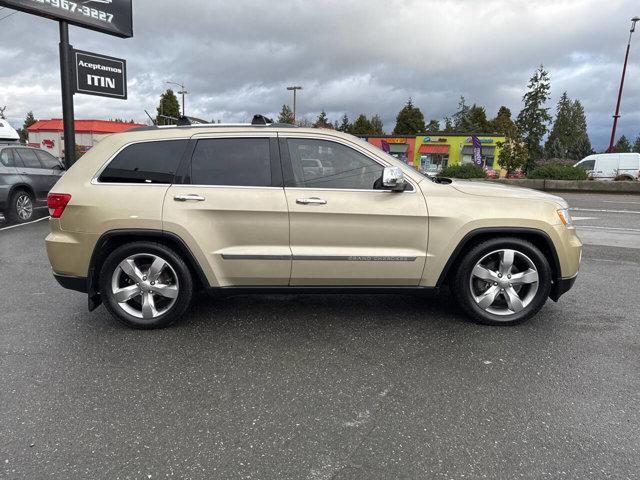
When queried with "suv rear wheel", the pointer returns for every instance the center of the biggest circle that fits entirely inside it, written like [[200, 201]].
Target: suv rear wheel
[[21, 207], [145, 285], [503, 281]]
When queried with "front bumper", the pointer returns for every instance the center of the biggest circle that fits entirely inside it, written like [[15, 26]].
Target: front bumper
[[562, 286]]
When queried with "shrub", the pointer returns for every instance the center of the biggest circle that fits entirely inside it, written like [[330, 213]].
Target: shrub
[[468, 170], [558, 172]]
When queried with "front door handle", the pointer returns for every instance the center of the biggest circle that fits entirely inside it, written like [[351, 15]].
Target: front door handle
[[191, 197], [311, 201]]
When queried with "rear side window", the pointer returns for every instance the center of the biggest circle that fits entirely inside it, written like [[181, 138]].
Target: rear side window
[[242, 162], [147, 162], [28, 156]]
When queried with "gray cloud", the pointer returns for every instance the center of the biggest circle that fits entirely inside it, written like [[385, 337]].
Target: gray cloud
[[351, 56]]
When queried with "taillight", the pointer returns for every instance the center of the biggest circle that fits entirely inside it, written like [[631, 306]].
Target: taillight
[[57, 202]]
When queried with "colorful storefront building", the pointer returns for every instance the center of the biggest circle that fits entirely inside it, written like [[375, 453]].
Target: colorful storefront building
[[431, 152]]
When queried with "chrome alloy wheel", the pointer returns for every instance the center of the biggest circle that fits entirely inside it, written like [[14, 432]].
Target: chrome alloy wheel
[[504, 282], [24, 206], [145, 285]]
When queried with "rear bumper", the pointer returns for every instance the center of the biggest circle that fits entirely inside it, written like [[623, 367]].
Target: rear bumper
[[78, 284], [561, 286]]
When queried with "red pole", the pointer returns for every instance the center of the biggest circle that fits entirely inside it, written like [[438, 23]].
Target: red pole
[[624, 71]]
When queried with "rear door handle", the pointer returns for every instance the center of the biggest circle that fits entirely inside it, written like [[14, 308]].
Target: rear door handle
[[311, 201], [190, 197]]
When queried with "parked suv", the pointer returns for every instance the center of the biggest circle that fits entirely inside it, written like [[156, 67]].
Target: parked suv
[[26, 176], [150, 215]]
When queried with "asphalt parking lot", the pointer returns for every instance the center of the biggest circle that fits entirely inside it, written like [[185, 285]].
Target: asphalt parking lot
[[326, 387]]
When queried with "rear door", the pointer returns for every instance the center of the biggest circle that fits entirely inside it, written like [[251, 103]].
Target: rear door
[[345, 229], [33, 172], [231, 208]]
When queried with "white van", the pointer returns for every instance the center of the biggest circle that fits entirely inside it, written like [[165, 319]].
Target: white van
[[611, 166]]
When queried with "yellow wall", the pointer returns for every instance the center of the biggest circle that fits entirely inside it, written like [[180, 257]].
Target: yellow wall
[[455, 142]]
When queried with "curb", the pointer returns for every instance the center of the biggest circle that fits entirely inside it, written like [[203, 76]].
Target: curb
[[579, 186]]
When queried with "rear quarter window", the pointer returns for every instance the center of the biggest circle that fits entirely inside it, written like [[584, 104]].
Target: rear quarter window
[[146, 162]]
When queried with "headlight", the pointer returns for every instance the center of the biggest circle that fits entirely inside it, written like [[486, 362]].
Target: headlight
[[565, 217]]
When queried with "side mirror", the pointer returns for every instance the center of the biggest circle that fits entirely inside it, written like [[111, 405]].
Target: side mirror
[[393, 179]]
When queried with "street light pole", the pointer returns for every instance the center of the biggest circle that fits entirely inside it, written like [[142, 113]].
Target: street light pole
[[294, 89], [634, 20], [183, 91]]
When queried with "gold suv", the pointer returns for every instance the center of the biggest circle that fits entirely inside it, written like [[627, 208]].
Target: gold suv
[[149, 216]]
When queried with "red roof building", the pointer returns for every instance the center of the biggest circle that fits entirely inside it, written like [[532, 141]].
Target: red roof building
[[48, 134]]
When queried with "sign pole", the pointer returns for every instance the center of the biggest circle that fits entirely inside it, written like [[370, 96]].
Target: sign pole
[[67, 96]]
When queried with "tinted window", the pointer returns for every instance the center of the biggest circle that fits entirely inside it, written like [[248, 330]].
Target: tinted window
[[47, 160], [148, 162], [28, 157], [6, 157], [324, 164], [587, 164], [243, 162]]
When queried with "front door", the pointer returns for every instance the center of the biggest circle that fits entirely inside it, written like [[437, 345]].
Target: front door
[[232, 211], [345, 229]]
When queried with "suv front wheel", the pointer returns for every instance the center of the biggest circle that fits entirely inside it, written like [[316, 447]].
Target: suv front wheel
[[145, 285], [503, 281]]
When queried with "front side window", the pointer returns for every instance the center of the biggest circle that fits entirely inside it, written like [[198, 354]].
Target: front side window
[[239, 162], [28, 156], [47, 160], [147, 162], [325, 164], [587, 165]]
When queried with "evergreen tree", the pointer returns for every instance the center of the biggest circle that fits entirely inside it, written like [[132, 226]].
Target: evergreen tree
[[581, 146], [477, 120], [636, 145], [569, 138], [561, 136], [345, 126], [362, 126], [534, 118], [433, 126], [323, 121], [410, 120], [286, 115], [462, 118], [502, 124], [169, 107], [623, 145], [23, 132], [448, 125], [377, 127]]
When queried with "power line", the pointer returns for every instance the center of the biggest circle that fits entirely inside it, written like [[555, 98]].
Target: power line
[[7, 16]]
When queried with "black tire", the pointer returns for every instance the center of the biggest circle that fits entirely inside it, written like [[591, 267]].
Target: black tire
[[142, 250], [461, 285], [14, 213]]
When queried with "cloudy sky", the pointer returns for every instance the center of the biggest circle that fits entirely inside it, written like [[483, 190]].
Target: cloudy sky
[[352, 56]]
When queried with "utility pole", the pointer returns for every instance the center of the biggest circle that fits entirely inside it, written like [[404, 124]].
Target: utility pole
[[183, 92], [294, 89], [67, 96], [634, 20]]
